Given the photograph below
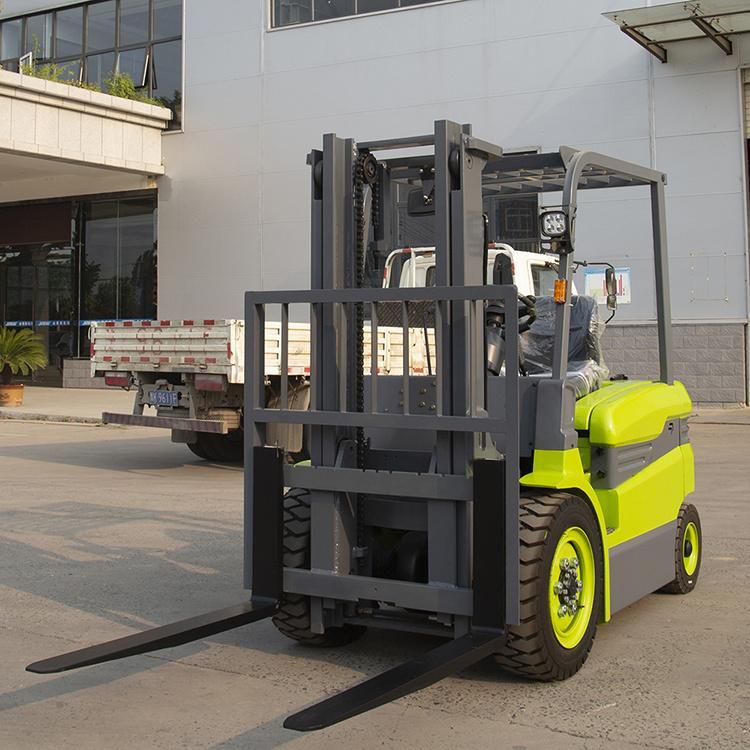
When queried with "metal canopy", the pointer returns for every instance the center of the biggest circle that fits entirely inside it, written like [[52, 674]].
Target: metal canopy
[[657, 26], [545, 173]]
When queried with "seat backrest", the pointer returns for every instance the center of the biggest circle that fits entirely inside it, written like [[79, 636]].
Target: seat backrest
[[585, 334]]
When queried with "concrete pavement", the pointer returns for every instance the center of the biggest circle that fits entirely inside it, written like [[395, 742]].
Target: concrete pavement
[[104, 531], [69, 404]]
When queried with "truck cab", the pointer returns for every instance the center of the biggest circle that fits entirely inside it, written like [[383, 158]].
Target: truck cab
[[533, 273]]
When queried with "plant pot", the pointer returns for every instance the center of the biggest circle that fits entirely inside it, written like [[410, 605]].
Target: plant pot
[[11, 395]]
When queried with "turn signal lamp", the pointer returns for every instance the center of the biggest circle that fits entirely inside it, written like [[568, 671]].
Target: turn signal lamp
[[560, 292]]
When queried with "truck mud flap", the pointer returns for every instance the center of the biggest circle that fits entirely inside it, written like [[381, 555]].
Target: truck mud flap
[[166, 636], [395, 683]]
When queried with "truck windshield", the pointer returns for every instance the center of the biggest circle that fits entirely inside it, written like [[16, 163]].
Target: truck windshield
[[543, 278]]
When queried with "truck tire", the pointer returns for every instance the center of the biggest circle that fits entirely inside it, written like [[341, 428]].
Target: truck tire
[[562, 583], [198, 449], [219, 448], [688, 549], [293, 616]]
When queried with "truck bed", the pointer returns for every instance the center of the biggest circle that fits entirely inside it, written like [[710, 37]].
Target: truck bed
[[218, 347]]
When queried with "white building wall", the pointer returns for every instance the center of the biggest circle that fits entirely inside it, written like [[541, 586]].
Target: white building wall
[[233, 207]]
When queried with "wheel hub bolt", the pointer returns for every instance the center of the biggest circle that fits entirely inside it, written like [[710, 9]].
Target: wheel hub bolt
[[565, 563], [574, 563], [558, 588], [562, 611]]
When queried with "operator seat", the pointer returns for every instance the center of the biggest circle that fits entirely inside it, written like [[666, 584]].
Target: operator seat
[[586, 368]]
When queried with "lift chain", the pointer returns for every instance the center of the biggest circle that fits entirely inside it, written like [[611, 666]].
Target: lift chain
[[365, 173]]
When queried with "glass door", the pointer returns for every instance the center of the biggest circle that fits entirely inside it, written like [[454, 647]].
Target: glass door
[[36, 291]]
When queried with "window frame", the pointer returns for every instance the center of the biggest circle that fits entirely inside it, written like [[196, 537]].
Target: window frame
[[270, 27], [85, 53]]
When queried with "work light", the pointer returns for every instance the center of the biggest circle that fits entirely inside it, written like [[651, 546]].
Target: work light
[[553, 223]]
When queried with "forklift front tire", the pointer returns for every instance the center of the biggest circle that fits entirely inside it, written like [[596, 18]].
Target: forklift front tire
[[687, 552], [562, 581], [292, 618]]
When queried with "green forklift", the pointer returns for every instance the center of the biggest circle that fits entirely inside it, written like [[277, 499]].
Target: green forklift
[[511, 498]]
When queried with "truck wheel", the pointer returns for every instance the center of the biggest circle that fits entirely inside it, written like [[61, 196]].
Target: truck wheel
[[219, 448], [687, 551], [198, 449], [562, 580], [293, 616]]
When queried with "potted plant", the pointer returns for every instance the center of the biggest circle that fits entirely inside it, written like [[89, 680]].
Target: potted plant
[[21, 351]]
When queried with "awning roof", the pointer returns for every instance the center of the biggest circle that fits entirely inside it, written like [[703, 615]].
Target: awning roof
[[657, 26]]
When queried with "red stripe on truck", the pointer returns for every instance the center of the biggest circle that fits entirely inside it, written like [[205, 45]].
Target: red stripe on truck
[[209, 322], [210, 360], [187, 323], [165, 322], [189, 360], [145, 359]]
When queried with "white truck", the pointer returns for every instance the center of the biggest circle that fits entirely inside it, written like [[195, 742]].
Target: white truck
[[189, 374]]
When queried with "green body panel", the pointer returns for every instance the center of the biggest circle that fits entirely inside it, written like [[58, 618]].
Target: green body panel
[[630, 411], [611, 389], [647, 500], [623, 413]]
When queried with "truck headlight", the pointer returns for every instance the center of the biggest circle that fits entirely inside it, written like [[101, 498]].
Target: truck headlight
[[553, 223]]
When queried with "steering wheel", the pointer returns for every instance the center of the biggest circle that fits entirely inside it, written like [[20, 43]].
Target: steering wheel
[[495, 330]]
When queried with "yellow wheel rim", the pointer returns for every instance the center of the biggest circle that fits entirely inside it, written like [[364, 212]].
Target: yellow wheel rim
[[690, 548], [572, 587]]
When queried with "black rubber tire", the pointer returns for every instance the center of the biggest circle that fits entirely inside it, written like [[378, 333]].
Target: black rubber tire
[[293, 616], [219, 448], [684, 583], [532, 650], [198, 449]]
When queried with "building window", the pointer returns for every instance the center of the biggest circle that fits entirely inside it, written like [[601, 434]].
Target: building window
[[89, 42], [65, 264], [291, 12]]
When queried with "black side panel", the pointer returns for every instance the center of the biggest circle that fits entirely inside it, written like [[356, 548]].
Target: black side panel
[[489, 547], [268, 520]]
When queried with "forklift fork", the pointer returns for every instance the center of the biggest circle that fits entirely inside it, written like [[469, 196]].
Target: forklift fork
[[166, 636], [267, 523], [395, 683]]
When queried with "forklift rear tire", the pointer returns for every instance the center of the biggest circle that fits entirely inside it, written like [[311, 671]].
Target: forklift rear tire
[[293, 616], [562, 580], [687, 551]]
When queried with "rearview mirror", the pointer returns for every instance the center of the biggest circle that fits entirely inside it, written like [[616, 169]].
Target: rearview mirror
[[502, 270], [611, 284]]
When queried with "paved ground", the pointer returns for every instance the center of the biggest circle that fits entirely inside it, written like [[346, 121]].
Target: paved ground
[[69, 404], [104, 530]]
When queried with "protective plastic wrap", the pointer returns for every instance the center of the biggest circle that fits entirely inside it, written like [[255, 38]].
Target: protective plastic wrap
[[586, 368]]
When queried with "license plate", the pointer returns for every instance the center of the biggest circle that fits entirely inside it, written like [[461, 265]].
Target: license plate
[[163, 398]]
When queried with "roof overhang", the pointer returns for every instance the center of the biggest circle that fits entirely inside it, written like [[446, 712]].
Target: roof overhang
[[657, 26]]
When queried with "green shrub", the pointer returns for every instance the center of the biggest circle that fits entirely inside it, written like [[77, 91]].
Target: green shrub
[[21, 351], [118, 84], [121, 84]]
